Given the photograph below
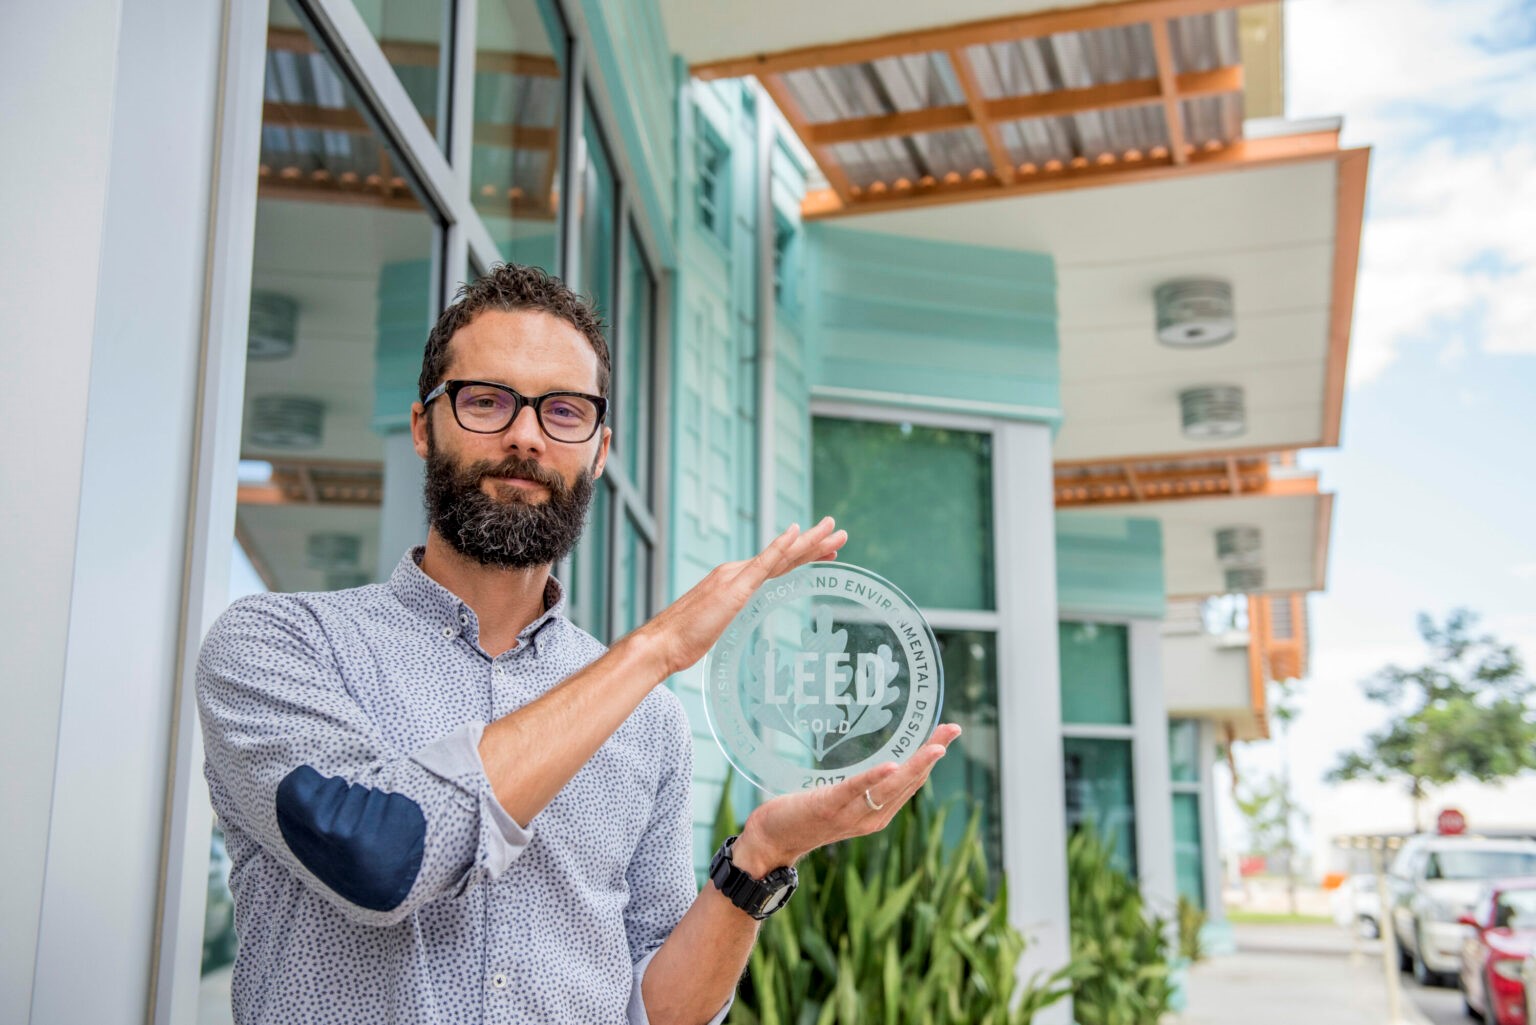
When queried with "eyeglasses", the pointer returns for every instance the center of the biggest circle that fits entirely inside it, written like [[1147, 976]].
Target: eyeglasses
[[487, 408]]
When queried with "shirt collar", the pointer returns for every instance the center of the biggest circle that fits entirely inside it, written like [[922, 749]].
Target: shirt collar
[[442, 608]]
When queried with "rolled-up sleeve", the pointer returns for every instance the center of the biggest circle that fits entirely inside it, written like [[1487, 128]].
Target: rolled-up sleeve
[[300, 767]]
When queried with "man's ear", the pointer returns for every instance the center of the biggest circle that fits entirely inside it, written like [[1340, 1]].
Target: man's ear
[[419, 429], [601, 459]]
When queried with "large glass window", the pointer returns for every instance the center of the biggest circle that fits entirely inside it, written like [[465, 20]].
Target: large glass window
[[1095, 673], [411, 34], [344, 289], [917, 504], [1100, 791], [971, 767], [1188, 862], [520, 98]]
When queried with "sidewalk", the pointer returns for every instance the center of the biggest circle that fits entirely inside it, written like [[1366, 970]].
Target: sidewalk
[[1292, 975]]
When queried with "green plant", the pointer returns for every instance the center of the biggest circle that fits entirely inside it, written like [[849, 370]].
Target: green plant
[[892, 929], [1192, 919], [1120, 951]]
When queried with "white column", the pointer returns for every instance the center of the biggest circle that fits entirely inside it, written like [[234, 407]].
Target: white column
[[57, 66], [1029, 701], [1149, 753], [1210, 844]]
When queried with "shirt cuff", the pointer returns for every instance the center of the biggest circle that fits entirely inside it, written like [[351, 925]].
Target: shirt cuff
[[456, 757], [637, 1015]]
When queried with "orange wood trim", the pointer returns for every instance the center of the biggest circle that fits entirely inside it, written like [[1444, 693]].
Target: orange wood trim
[[362, 192], [1173, 111], [976, 101], [885, 126], [929, 40], [417, 54], [1354, 168], [1258, 630], [774, 86], [1241, 155], [345, 119], [1234, 483], [1215, 455], [258, 561], [1130, 476], [1324, 532]]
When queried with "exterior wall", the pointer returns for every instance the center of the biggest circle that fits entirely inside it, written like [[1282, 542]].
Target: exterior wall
[[933, 325], [717, 511], [1109, 566], [1206, 675]]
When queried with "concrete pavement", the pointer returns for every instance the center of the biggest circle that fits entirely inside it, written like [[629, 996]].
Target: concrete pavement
[[1293, 975]]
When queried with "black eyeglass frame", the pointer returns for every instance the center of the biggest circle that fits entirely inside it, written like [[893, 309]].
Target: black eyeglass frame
[[519, 400]]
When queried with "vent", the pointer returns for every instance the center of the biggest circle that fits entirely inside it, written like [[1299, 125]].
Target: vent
[[1213, 412], [333, 551], [1193, 313], [713, 159], [274, 326], [1238, 547], [1245, 580], [283, 421]]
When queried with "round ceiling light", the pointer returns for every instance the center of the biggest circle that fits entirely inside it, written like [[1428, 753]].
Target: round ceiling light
[[1216, 411], [1193, 313], [331, 550], [1237, 547], [274, 326], [284, 421], [1245, 579]]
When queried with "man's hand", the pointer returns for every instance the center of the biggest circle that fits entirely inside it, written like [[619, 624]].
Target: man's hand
[[682, 632], [785, 829]]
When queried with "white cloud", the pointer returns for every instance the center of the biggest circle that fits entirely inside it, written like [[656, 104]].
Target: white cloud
[[1524, 571], [1445, 96]]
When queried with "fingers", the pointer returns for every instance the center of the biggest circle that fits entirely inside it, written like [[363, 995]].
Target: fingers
[[891, 786], [793, 549]]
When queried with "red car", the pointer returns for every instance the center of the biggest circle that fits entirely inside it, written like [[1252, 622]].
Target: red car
[[1502, 933]]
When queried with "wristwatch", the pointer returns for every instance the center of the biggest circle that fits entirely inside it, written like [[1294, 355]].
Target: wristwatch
[[757, 897]]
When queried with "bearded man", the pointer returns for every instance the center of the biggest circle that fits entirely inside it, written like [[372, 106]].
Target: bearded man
[[444, 802]]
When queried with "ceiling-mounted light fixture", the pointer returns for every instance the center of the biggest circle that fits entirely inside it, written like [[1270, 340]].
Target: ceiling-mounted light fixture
[[1245, 579], [1238, 547], [274, 326], [1215, 411], [1194, 312], [285, 421], [332, 550]]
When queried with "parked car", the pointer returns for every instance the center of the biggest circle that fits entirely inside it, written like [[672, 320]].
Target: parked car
[[1502, 935], [1434, 882], [1357, 906]]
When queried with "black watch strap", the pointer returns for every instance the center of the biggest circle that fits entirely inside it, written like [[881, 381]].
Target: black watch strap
[[757, 897]]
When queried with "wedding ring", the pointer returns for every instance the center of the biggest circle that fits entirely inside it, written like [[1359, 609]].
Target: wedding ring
[[871, 802]]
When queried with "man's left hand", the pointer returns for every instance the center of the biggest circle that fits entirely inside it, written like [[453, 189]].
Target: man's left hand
[[785, 829]]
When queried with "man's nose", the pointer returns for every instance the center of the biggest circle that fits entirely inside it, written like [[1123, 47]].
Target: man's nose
[[524, 432]]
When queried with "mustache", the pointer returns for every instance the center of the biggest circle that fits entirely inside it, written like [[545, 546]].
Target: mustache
[[516, 466]]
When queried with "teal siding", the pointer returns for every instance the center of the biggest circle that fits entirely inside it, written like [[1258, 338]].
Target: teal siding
[[1109, 566], [714, 487], [933, 324], [629, 44]]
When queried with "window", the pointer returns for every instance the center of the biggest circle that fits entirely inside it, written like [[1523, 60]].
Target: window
[[1184, 765], [1096, 718]]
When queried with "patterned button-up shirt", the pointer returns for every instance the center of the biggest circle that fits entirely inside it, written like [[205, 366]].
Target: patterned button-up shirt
[[376, 877]]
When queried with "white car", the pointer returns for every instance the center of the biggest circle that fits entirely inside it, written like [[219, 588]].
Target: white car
[[1434, 880], [1357, 906]]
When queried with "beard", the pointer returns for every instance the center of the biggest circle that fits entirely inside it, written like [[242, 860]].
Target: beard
[[508, 532]]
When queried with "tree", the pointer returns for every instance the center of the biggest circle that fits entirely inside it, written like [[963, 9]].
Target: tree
[[1463, 714]]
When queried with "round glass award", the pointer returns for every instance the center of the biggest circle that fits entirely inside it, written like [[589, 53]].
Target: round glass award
[[828, 671]]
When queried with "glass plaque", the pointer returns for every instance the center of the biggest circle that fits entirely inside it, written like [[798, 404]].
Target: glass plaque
[[828, 671]]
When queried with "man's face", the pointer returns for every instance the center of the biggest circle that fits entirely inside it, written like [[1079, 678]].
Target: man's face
[[516, 499]]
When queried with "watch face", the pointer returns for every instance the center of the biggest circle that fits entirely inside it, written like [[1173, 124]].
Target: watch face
[[775, 900]]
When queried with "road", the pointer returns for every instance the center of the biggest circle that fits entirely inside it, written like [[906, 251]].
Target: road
[[1440, 1004]]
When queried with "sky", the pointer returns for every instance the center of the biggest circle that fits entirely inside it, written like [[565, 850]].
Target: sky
[[1436, 503]]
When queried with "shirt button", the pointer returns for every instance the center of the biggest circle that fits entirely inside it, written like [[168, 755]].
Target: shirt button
[[499, 980], [448, 631], [464, 619]]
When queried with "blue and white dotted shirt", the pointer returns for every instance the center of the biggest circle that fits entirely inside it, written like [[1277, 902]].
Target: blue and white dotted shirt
[[376, 877]]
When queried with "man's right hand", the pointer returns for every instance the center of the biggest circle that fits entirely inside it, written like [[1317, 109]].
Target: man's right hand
[[681, 633]]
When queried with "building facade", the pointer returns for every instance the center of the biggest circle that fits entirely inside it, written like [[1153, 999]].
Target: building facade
[[858, 261]]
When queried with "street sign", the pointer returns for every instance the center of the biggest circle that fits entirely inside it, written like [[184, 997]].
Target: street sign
[[1451, 822]]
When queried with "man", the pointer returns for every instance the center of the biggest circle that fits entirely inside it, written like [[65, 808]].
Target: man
[[443, 802]]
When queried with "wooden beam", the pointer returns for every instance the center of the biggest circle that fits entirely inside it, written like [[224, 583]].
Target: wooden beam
[[1242, 154], [1060, 103], [831, 169], [359, 192], [976, 102], [348, 120], [1130, 475], [1349, 219], [929, 40], [406, 53], [1168, 87], [1234, 483]]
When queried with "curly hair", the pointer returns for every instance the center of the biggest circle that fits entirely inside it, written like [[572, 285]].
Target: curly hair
[[511, 286]]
